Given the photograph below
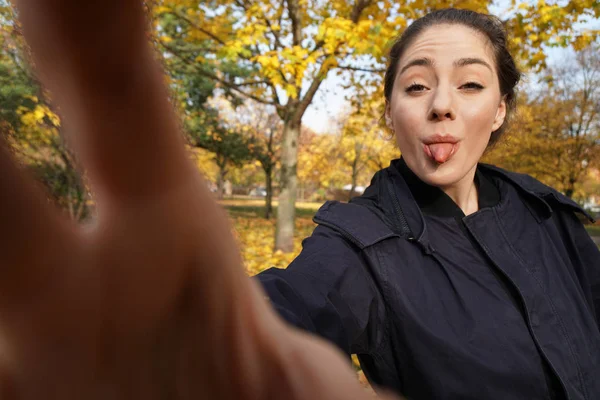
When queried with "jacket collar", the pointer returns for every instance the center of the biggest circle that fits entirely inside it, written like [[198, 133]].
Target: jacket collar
[[390, 197], [433, 201], [534, 189]]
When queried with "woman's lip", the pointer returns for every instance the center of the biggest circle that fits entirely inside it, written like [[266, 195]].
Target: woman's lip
[[438, 138]]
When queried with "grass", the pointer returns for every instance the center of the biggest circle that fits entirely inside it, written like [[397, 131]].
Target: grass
[[256, 235], [256, 208], [593, 230], [251, 211]]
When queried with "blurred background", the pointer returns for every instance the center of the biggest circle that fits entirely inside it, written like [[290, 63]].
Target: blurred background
[[281, 104]]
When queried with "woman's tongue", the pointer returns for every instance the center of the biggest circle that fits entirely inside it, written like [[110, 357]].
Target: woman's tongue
[[440, 152]]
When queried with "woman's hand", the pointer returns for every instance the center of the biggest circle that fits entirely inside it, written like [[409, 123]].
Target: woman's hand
[[149, 301]]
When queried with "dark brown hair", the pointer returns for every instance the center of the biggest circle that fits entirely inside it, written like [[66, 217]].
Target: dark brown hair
[[490, 26]]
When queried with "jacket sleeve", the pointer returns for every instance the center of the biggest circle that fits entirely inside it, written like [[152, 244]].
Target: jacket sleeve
[[329, 291]]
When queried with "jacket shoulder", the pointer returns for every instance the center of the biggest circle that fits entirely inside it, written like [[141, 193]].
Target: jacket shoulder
[[362, 225], [545, 193]]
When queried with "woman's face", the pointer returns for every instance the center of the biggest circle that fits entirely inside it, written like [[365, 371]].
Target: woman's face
[[445, 103]]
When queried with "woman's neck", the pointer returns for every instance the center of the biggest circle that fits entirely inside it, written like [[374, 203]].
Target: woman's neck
[[464, 193]]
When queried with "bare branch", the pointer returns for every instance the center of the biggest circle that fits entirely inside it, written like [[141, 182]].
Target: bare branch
[[312, 90], [358, 8], [197, 27], [318, 46], [278, 43], [351, 68], [233, 86], [252, 83], [241, 4], [294, 13], [275, 95]]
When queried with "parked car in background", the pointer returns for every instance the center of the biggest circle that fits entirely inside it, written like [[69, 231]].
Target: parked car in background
[[258, 192]]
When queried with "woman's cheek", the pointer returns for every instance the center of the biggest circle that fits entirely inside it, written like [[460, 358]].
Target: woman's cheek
[[480, 115]]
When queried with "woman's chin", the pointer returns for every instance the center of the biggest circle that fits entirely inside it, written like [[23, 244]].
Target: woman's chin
[[441, 175]]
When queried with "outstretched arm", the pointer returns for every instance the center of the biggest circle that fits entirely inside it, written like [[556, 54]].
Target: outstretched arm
[[150, 300]]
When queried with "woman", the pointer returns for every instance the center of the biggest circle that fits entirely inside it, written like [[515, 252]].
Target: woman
[[449, 278]]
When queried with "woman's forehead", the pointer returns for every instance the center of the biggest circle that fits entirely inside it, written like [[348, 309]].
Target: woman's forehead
[[447, 44]]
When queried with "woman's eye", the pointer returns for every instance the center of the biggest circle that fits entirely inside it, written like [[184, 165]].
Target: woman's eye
[[415, 87], [472, 86]]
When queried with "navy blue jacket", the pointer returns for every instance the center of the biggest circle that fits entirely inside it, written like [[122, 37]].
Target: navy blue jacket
[[366, 281]]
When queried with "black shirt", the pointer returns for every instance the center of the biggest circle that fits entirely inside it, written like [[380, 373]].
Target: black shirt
[[472, 274]]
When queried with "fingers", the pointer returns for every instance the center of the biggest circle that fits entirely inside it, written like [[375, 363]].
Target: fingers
[[302, 366], [321, 372], [30, 229], [94, 57]]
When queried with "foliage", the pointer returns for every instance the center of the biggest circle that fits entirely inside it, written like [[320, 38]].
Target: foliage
[[31, 126], [556, 136], [263, 130], [230, 147], [352, 155], [256, 236], [287, 48], [365, 145], [42, 148], [205, 161]]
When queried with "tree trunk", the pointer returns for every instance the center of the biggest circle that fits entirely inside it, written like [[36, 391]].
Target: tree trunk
[[353, 188], [269, 188], [570, 188], [221, 182], [284, 233], [569, 193], [358, 149]]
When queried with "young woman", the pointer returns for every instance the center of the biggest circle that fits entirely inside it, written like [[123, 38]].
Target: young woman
[[450, 279]]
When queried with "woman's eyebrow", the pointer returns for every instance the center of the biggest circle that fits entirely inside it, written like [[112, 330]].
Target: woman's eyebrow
[[422, 62], [428, 62], [463, 62]]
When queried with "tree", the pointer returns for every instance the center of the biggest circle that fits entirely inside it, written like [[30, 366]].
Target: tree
[[318, 161], [359, 148], [231, 147], [290, 47], [263, 128], [556, 136], [364, 148], [287, 48], [32, 127]]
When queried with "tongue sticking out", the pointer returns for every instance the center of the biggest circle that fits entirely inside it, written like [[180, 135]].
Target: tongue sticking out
[[441, 152]]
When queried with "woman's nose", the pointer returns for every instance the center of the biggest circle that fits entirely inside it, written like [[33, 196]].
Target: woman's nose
[[442, 106]]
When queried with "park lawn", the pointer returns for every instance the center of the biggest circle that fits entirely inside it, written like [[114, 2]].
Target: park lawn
[[256, 235], [593, 230], [242, 201]]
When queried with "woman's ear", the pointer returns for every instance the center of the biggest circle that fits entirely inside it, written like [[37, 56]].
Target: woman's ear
[[388, 116], [500, 114]]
